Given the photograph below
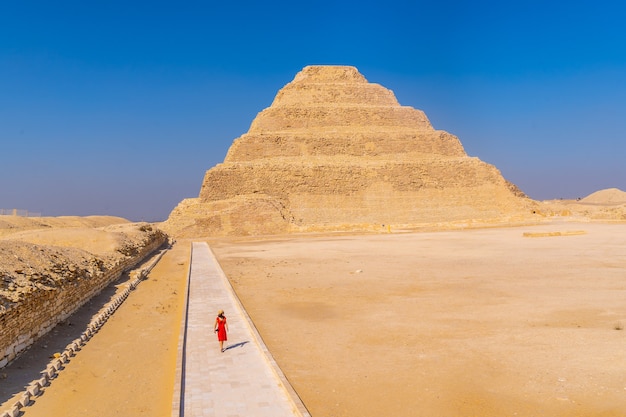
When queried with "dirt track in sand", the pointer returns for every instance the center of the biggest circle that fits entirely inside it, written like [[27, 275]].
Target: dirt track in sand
[[482, 322]]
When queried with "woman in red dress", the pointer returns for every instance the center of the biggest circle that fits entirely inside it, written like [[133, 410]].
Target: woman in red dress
[[221, 327]]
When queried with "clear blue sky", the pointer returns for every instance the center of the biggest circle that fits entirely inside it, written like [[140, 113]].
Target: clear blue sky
[[119, 107]]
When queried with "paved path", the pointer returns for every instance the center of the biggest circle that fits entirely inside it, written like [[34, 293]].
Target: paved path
[[242, 381]]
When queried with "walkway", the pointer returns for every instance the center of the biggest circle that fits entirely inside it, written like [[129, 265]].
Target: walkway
[[242, 381]]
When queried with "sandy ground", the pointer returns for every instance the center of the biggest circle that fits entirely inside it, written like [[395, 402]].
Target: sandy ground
[[467, 323], [476, 323]]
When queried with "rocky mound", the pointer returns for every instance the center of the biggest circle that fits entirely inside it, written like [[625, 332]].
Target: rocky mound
[[52, 258], [335, 152], [602, 205], [608, 196]]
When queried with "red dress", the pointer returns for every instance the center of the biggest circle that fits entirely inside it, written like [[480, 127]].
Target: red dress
[[221, 329]]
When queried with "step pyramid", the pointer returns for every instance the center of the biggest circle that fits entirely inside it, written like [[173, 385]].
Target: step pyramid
[[335, 152]]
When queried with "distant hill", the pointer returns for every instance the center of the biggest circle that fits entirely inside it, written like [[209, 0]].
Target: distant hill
[[608, 196]]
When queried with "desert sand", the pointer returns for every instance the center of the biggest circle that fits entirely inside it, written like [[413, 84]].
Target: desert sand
[[518, 321]]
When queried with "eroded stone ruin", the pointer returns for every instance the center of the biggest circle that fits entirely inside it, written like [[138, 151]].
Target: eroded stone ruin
[[46, 275], [335, 152]]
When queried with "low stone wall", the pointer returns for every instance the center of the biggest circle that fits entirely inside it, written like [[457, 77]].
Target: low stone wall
[[25, 322], [36, 387]]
